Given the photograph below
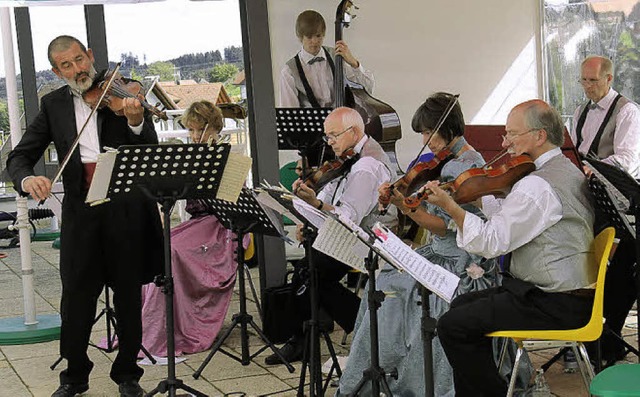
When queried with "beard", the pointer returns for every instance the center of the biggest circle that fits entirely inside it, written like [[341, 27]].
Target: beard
[[82, 81]]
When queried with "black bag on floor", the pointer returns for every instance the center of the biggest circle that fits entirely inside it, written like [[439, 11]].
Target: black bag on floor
[[280, 316]]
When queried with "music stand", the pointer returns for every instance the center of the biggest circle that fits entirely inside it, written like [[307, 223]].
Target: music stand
[[606, 179], [165, 174], [244, 216], [302, 129]]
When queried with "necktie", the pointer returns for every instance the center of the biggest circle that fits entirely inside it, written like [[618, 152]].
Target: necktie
[[316, 59]]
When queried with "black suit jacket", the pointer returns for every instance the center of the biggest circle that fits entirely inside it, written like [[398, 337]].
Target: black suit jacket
[[56, 123]]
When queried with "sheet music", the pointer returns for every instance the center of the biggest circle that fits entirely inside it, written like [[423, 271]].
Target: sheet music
[[313, 215], [101, 177], [265, 199], [437, 279], [233, 178], [340, 243]]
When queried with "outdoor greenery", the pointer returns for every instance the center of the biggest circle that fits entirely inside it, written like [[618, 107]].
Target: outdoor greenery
[[208, 66]]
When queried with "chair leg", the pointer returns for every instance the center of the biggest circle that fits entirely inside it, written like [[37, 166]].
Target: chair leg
[[585, 365], [503, 352], [514, 372]]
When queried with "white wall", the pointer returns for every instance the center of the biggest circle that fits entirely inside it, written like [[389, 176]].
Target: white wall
[[483, 50]]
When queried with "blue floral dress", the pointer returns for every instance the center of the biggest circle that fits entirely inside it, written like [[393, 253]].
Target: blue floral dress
[[400, 315]]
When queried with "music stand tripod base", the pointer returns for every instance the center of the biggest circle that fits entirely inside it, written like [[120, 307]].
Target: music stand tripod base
[[244, 216]]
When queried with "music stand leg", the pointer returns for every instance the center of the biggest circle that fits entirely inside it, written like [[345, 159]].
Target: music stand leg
[[171, 384], [428, 333], [374, 373], [242, 319]]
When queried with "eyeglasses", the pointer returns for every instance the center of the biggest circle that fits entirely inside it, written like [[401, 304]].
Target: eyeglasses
[[509, 136], [589, 82], [334, 137]]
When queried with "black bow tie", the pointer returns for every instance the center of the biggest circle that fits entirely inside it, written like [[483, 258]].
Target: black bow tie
[[592, 106], [316, 59]]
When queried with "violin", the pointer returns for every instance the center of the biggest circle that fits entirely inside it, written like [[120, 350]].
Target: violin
[[115, 94], [477, 182], [330, 170], [417, 177]]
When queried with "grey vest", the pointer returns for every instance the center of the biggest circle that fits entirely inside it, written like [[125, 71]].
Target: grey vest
[[302, 96], [605, 146], [559, 259]]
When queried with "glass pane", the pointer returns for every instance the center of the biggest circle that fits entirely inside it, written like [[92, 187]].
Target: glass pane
[[572, 31]]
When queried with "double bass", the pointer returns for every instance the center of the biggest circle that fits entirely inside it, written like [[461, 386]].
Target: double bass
[[381, 122]]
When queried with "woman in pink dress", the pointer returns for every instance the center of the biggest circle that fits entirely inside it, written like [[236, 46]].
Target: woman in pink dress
[[203, 264]]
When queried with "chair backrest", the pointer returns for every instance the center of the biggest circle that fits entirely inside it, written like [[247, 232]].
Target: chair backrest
[[602, 247]]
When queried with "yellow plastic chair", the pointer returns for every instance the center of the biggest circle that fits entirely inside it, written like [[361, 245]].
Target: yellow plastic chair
[[574, 338]]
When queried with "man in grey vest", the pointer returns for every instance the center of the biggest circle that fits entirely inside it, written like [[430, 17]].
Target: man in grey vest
[[608, 126], [546, 223], [353, 194]]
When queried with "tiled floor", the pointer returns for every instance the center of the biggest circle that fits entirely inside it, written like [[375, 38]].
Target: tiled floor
[[24, 370]]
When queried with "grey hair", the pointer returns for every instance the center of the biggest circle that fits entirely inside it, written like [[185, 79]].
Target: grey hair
[[606, 65], [349, 118], [62, 43], [540, 115]]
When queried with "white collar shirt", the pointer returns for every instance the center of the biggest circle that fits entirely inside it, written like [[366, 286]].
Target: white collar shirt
[[320, 79], [626, 140], [355, 195], [530, 208]]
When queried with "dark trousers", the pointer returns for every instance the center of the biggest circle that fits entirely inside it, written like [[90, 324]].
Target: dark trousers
[[513, 306], [98, 249], [620, 292], [340, 303]]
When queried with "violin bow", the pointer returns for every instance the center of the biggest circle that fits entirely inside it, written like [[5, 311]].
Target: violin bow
[[75, 143], [439, 124]]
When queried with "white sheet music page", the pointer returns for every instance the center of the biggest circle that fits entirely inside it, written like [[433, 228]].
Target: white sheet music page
[[437, 279], [265, 199], [233, 178], [101, 177], [340, 243], [313, 215]]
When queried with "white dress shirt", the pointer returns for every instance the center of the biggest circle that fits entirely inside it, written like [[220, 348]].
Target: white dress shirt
[[626, 140], [320, 79], [356, 194], [530, 208]]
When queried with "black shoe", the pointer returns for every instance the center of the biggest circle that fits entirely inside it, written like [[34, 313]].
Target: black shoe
[[130, 388], [291, 351], [70, 389]]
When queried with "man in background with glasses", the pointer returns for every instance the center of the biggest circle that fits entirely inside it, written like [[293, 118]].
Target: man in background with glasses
[[608, 126], [353, 194]]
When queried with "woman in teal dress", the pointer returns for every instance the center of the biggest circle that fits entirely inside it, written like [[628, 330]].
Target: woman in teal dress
[[399, 317]]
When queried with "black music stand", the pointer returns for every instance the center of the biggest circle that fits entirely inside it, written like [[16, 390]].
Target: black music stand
[[302, 129], [166, 174], [112, 331], [244, 216], [603, 183], [312, 331]]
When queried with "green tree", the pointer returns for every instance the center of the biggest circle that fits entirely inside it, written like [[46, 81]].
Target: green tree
[[163, 69], [4, 116], [233, 54], [222, 72]]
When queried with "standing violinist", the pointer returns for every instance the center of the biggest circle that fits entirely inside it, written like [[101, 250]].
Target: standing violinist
[[117, 244], [546, 223], [400, 315], [352, 194]]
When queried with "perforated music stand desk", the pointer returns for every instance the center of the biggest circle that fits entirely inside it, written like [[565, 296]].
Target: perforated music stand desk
[[301, 129], [167, 173], [605, 179]]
